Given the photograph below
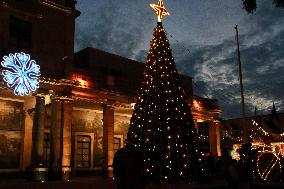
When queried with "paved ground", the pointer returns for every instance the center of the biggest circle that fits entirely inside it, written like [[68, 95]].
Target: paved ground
[[99, 183], [92, 183], [75, 184]]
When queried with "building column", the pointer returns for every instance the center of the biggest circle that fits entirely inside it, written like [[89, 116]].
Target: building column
[[54, 158], [29, 105], [196, 125], [60, 140], [214, 138], [108, 138], [66, 112], [37, 161]]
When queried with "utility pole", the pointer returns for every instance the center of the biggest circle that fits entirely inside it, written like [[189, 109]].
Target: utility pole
[[245, 128]]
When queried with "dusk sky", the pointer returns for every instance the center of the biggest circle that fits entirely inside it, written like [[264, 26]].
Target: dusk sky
[[202, 37]]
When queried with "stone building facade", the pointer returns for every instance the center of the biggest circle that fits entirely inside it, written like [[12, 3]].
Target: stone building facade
[[80, 114]]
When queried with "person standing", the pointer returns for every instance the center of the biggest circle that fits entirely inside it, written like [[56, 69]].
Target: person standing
[[128, 168]]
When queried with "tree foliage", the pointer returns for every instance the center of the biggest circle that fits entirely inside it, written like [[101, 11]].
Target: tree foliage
[[251, 5], [161, 126]]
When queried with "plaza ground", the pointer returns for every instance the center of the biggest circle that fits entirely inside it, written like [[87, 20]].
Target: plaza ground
[[108, 183]]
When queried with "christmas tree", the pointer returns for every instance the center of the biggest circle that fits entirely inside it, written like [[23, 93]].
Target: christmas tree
[[161, 126]]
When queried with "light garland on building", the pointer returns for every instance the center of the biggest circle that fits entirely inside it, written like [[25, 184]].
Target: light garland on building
[[256, 128], [259, 128], [235, 139]]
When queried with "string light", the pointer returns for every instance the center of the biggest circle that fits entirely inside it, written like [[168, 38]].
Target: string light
[[275, 148], [165, 117]]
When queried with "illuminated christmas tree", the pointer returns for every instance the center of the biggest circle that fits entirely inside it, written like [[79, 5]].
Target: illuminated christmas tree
[[161, 125]]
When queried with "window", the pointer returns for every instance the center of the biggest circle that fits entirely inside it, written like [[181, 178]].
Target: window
[[83, 151], [110, 76], [117, 142], [46, 149], [21, 34]]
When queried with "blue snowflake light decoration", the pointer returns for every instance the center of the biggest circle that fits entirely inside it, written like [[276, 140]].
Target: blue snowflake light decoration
[[21, 73]]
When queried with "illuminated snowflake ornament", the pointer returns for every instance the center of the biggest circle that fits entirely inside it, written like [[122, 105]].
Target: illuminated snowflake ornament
[[21, 73]]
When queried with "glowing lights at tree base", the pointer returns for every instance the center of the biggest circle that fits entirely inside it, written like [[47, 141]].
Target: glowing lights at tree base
[[271, 154], [21, 73], [267, 152]]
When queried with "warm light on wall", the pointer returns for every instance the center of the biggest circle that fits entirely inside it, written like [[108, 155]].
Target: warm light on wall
[[133, 105], [197, 105], [47, 99], [83, 80]]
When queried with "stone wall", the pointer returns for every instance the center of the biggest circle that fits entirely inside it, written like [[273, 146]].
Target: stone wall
[[11, 126], [89, 122], [121, 125]]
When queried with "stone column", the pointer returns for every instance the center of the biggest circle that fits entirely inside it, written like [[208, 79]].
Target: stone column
[[27, 139], [214, 138], [54, 166], [60, 140], [218, 138], [38, 140], [196, 125], [108, 138], [66, 112]]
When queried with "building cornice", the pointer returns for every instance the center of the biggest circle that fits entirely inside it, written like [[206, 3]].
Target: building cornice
[[59, 82], [59, 7], [19, 10], [55, 6]]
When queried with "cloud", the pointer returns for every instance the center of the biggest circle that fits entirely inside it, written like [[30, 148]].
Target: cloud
[[214, 67], [110, 29], [126, 30]]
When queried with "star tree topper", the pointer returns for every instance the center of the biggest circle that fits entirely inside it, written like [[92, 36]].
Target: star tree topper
[[160, 10]]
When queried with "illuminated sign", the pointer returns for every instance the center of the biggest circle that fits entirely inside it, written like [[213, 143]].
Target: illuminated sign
[[21, 73]]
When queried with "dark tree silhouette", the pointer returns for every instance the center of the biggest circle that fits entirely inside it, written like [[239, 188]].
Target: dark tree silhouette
[[279, 3], [250, 5]]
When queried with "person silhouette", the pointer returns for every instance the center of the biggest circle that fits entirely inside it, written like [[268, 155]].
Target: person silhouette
[[118, 167], [128, 167]]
